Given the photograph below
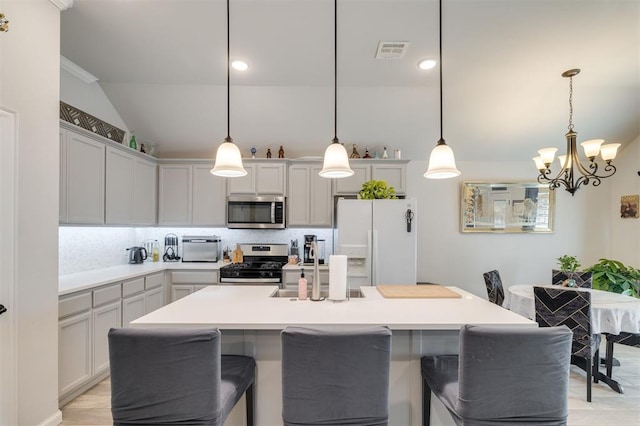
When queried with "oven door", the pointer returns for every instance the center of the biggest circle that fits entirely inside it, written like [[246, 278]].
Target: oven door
[[249, 212]]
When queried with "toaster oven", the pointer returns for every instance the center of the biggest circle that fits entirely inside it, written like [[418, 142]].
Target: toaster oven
[[200, 248]]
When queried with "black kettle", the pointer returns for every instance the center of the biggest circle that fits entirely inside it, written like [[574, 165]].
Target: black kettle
[[137, 254]]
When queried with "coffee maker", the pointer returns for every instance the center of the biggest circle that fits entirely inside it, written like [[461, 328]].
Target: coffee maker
[[308, 239]]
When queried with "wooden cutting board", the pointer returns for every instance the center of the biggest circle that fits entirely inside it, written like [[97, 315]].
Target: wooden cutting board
[[390, 291]]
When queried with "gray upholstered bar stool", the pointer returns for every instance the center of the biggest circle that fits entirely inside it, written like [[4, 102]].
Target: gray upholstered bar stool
[[335, 377], [176, 376], [502, 376]]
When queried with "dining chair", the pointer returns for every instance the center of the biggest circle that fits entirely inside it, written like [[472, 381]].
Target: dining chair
[[624, 338], [494, 287], [335, 377], [560, 306], [176, 376], [501, 376], [582, 279]]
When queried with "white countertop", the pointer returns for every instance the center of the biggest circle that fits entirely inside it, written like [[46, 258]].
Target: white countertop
[[251, 308], [84, 280]]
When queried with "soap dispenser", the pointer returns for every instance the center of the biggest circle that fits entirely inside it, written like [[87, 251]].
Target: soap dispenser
[[302, 286]]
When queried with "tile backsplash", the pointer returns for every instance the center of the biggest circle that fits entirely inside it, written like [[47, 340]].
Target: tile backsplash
[[86, 248]]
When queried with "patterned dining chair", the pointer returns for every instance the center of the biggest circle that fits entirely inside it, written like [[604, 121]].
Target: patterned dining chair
[[582, 279], [501, 376], [560, 306], [624, 338], [494, 287]]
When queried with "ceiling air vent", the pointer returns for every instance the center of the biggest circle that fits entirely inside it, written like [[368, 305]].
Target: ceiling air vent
[[392, 49]]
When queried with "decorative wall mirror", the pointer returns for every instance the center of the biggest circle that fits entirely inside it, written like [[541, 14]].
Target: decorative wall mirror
[[507, 207]]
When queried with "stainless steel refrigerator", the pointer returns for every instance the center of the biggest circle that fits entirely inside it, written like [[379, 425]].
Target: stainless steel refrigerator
[[379, 237]]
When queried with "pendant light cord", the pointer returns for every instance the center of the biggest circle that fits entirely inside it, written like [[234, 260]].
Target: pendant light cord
[[440, 54], [335, 71], [228, 90]]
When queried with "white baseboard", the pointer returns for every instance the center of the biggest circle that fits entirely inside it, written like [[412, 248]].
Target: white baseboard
[[54, 420]]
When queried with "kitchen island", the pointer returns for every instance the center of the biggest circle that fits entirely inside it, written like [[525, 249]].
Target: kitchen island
[[251, 321]]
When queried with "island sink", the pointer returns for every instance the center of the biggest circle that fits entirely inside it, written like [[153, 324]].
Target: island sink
[[293, 294]]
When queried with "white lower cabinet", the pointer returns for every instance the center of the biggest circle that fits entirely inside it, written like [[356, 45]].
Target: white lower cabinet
[[74, 351], [132, 308], [84, 320], [183, 283], [104, 318]]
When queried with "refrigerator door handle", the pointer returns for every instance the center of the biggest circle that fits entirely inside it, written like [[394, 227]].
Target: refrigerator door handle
[[373, 243]]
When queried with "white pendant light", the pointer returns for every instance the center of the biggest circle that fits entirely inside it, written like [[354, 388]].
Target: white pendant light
[[228, 161], [336, 160], [442, 164]]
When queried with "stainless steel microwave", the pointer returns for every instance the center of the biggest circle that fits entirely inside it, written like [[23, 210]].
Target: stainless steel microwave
[[256, 212]]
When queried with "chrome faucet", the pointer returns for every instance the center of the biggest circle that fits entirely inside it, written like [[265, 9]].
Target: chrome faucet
[[315, 285]]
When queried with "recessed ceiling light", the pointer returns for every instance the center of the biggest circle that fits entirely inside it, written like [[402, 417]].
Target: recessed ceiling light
[[240, 65], [427, 64]]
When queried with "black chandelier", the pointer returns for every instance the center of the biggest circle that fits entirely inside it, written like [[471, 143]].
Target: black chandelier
[[573, 173]]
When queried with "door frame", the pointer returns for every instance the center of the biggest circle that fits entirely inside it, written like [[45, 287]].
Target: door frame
[[8, 266]]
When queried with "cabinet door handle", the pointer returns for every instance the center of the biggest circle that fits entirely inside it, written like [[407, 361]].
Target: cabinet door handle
[[2, 309]]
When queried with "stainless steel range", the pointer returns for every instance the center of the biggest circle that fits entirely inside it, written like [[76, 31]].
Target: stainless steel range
[[262, 264]]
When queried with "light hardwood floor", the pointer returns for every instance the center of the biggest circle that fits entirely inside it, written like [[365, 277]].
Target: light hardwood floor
[[607, 408]]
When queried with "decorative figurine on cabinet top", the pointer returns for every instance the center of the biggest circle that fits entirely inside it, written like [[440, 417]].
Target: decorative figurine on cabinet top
[[281, 152], [253, 152], [354, 153], [268, 152]]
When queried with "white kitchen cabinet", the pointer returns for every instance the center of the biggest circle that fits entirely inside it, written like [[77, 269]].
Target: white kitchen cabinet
[[104, 318], [133, 300], [290, 277], [183, 283], [153, 299], [119, 187], [310, 200], [391, 171], [175, 194], [264, 177], [145, 190], [74, 346], [178, 291], [84, 178], [132, 308], [244, 184], [190, 195], [209, 197], [352, 184], [154, 292], [106, 314]]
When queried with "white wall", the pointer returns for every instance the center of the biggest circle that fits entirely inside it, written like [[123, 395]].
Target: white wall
[[29, 76], [625, 233], [89, 98], [449, 257]]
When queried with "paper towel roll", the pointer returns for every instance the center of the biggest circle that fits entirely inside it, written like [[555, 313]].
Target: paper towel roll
[[337, 277]]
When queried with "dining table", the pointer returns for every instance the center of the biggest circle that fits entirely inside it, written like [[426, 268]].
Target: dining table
[[611, 313]]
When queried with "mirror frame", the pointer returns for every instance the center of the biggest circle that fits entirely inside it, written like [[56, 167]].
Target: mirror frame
[[512, 212]]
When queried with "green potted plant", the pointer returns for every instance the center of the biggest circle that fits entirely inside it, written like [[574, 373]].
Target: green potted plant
[[375, 190], [568, 267], [613, 275]]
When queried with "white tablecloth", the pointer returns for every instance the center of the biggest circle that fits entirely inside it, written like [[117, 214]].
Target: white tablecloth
[[610, 312]]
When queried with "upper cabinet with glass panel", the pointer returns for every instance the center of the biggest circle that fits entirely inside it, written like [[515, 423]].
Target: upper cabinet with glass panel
[[506, 207]]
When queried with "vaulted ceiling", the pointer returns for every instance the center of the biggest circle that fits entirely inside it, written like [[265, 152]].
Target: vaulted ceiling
[[162, 64]]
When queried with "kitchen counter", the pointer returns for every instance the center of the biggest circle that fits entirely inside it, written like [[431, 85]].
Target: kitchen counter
[[251, 308], [251, 323], [71, 283], [308, 268]]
